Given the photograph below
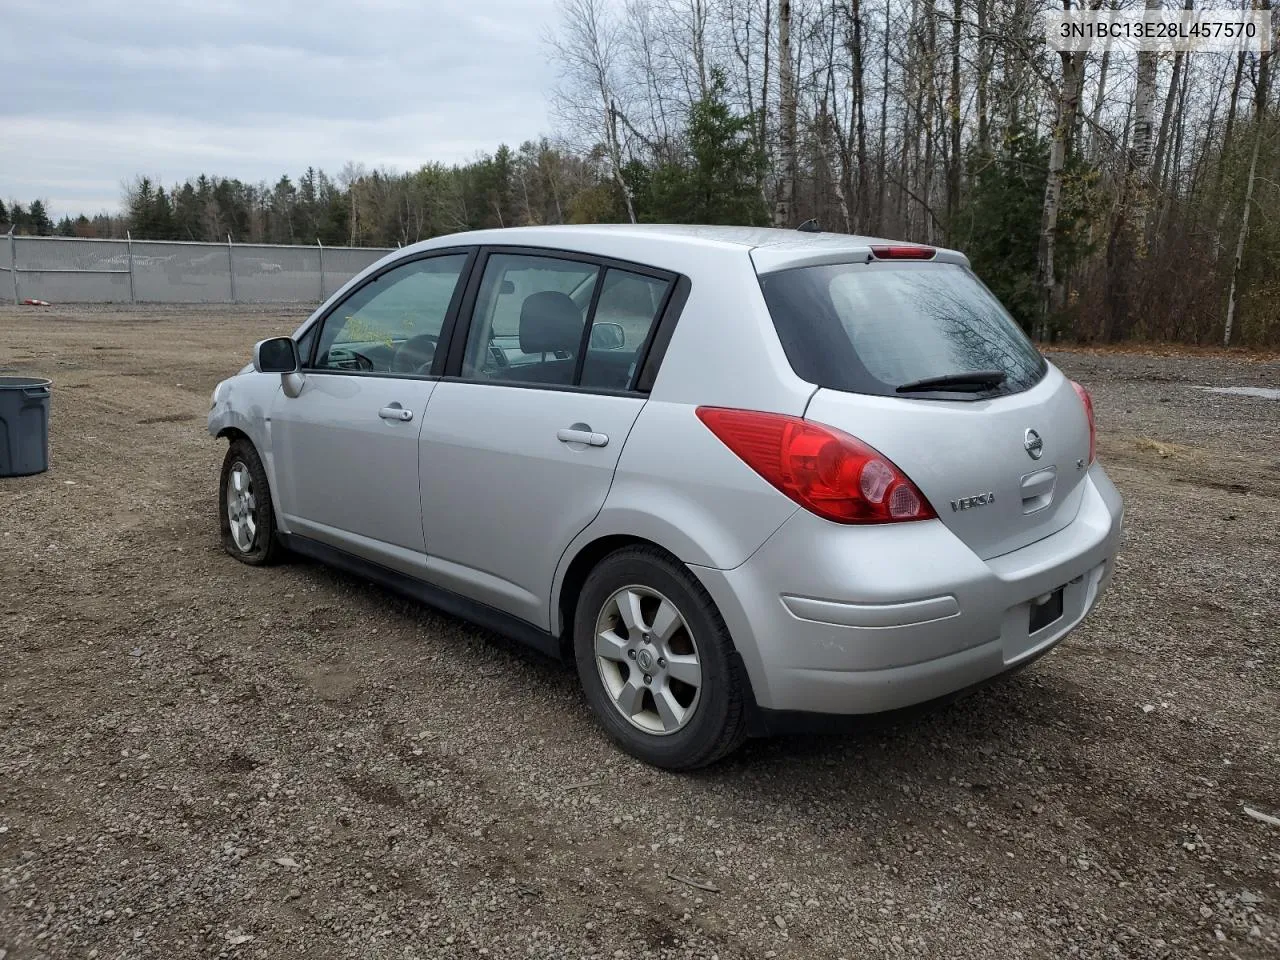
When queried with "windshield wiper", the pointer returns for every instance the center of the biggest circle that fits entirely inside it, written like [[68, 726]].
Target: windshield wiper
[[973, 381]]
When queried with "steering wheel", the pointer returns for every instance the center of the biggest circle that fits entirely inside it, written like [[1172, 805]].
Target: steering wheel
[[416, 354]]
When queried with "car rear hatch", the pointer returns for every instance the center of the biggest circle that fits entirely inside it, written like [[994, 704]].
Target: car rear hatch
[[918, 359]]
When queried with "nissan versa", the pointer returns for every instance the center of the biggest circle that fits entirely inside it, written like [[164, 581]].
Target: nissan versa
[[749, 480]]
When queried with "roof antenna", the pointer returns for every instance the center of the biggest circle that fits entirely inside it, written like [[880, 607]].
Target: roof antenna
[[809, 226]]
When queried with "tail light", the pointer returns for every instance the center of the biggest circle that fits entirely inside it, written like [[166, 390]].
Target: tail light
[[823, 469], [1087, 400], [903, 252]]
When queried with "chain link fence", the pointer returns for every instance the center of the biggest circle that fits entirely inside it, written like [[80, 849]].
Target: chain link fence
[[66, 270]]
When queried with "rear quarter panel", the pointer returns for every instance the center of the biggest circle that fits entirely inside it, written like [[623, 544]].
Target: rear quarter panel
[[676, 484]]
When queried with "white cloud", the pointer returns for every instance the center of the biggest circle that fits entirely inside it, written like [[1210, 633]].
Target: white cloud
[[95, 93]]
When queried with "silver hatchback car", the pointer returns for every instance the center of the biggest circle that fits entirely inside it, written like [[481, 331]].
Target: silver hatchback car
[[748, 480]]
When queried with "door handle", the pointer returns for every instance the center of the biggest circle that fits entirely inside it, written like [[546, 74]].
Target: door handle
[[395, 412], [573, 435]]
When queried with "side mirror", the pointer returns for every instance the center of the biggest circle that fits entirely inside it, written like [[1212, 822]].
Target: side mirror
[[607, 336], [277, 355]]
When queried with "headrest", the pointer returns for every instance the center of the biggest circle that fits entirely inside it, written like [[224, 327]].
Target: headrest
[[550, 322]]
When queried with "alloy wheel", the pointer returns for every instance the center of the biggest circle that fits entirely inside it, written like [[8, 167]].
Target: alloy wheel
[[241, 507], [648, 660]]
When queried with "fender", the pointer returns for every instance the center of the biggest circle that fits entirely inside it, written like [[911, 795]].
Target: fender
[[243, 403]]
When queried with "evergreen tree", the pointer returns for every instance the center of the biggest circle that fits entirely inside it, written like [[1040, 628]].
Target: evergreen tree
[[308, 213], [283, 201], [335, 225], [232, 202], [38, 220], [718, 181], [209, 224], [162, 217], [186, 213], [142, 199], [497, 183], [4, 214], [999, 223]]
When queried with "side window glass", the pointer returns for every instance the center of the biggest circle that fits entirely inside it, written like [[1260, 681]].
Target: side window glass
[[628, 308], [528, 320], [393, 324], [305, 343]]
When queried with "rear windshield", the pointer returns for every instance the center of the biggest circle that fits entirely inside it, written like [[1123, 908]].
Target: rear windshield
[[874, 327]]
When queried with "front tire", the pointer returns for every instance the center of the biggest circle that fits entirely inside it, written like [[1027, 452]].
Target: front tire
[[656, 661], [248, 521]]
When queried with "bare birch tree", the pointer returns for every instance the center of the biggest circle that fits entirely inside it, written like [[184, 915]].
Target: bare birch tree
[[782, 214], [586, 98], [1260, 123], [1068, 104]]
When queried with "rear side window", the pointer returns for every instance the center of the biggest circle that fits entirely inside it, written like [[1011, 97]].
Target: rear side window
[[530, 312], [552, 321], [628, 307], [875, 327]]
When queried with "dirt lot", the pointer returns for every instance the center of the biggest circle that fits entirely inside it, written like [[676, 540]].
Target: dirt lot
[[202, 759]]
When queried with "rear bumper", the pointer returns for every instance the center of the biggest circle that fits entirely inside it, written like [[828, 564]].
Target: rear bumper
[[832, 619]]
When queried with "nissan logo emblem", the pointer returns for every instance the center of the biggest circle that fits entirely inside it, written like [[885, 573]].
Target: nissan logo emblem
[[1032, 443]]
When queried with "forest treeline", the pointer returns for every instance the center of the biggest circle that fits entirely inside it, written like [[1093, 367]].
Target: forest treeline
[[1106, 195]]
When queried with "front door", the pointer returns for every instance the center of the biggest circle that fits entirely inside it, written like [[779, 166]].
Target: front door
[[346, 447], [519, 449]]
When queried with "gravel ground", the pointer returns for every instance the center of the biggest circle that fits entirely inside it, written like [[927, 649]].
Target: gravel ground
[[202, 759]]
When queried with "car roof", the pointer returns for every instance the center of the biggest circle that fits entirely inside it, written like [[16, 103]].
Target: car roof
[[672, 245], [682, 233]]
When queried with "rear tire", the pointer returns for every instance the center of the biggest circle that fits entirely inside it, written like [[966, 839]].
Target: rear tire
[[247, 519], [656, 661]]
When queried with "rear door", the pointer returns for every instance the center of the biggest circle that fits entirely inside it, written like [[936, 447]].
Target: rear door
[[1001, 457], [346, 447], [520, 443]]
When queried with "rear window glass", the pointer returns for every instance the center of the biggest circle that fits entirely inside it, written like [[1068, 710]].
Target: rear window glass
[[873, 327]]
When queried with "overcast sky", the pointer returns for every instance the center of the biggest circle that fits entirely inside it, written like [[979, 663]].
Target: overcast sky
[[93, 92]]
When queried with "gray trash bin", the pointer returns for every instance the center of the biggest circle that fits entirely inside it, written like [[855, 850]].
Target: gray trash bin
[[24, 425]]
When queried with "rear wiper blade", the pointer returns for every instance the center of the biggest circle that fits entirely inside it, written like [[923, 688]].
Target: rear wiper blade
[[971, 382]]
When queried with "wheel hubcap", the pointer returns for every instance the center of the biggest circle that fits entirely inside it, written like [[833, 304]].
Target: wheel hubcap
[[648, 660], [241, 507]]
